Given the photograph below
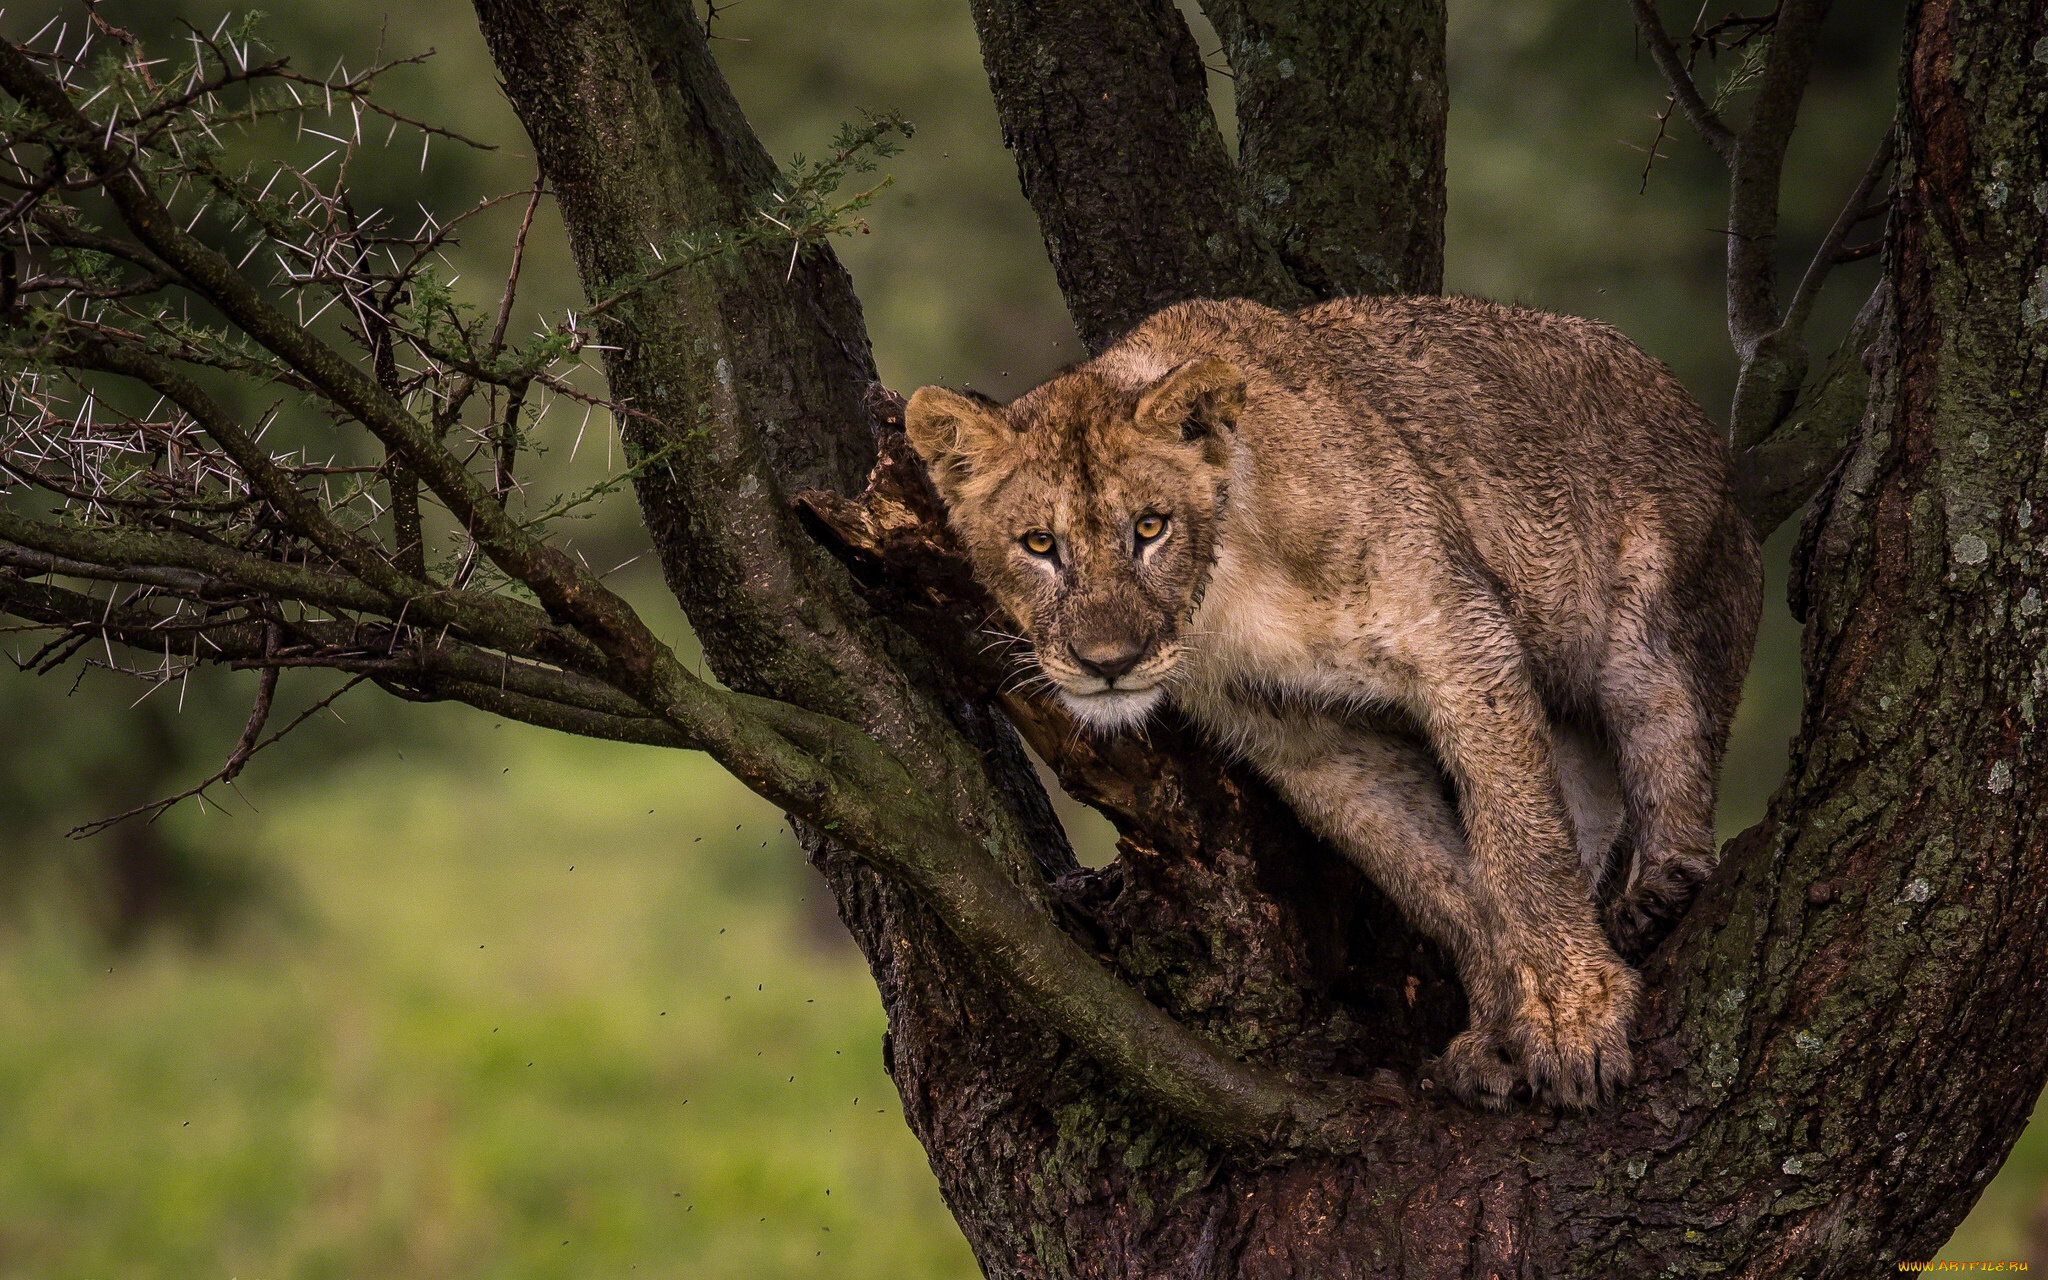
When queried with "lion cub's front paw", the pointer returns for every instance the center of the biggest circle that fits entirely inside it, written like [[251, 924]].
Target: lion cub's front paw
[[1479, 1068], [1570, 1029]]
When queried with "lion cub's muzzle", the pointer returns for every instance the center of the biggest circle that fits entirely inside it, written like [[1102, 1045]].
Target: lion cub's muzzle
[[1117, 663], [1108, 659], [1113, 682]]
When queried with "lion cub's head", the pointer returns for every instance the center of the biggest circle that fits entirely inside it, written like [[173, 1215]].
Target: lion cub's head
[[1089, 509]]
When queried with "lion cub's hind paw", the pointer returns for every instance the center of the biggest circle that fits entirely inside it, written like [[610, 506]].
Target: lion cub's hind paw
[[1639, 918]]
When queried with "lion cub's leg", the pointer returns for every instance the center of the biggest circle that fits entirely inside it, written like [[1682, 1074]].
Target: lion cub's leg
[[1534, 989], [1668, 690], [1380, 800], [1574, 1000], [1667, 777]]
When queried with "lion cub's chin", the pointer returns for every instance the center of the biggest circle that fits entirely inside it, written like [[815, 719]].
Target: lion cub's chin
[[1108, 711]]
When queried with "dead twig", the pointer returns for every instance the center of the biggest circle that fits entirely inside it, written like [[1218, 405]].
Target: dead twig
[[247, 746], [244, 750]]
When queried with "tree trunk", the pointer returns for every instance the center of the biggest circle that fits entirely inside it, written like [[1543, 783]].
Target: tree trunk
[[1339, 186], [1844, 1035]]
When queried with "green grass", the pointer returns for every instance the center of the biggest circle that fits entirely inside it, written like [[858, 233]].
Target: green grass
[[464, 1058]]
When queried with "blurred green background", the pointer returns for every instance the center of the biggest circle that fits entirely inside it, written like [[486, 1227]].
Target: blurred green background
[[437, 996]]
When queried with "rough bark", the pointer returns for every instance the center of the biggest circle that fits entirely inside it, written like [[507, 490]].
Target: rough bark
[[1106, 108], [1844, 1034]]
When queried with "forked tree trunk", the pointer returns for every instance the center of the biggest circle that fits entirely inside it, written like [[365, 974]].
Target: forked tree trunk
[[1846, 1033]]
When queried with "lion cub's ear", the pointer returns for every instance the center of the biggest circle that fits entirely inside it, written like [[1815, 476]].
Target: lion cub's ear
[[955, 435], [1198, 400]]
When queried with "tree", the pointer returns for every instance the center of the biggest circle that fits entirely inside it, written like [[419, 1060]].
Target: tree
[[1208, 1059]]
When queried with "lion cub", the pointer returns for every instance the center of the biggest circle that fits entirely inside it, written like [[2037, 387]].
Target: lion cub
[[1512, 533]]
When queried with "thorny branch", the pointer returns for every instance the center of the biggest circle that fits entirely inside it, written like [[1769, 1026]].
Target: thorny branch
[[126, 211], [1735, 32], [1685, 91]]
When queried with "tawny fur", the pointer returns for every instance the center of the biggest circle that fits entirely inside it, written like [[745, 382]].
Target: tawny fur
[[1400, 540]]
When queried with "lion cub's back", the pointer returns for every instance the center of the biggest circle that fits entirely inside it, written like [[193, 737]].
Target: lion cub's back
[[1561, 409], [1584, 472]]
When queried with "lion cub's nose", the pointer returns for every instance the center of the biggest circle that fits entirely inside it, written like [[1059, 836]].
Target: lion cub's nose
[[1107, 658]]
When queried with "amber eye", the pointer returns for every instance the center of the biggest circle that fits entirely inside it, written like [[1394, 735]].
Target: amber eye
[[1150, 527], [1038, 542]]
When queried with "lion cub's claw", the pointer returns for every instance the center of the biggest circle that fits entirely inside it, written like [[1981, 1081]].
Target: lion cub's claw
[[1571, 1033]]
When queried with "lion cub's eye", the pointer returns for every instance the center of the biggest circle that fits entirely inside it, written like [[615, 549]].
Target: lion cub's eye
[[1150, 527], [1038, 542]]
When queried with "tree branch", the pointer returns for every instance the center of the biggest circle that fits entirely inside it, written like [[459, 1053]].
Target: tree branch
[[750, 736], [1786, 433], [97, 552], [388, 652], [1855, 212], [1685, 91], [541, 712], [429, 670], [1771, 355], [361, 558], [565, 588], [59, 230], [184, 563], [1757, 169], [1775, 477], [248, 745]]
